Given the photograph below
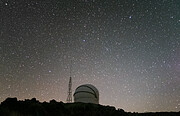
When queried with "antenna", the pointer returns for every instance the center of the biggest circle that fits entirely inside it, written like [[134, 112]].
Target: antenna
[[69, 97], [70, 68]]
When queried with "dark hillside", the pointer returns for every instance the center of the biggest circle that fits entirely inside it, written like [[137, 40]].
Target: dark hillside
[[13, 107]]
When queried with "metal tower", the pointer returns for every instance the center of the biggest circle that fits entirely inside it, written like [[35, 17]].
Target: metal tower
[[69, 97]]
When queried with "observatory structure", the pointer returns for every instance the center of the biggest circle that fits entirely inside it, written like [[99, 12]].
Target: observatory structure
[[86, 93]]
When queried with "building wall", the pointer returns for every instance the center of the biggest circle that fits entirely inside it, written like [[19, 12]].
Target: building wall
[[85, 98]]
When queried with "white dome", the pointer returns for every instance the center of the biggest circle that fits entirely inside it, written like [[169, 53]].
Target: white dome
[[87, 94]]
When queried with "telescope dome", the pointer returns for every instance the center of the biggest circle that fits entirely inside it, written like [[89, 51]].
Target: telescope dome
[[86, 93]]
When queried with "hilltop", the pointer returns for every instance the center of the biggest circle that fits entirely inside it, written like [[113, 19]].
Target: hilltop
[[13, 107]]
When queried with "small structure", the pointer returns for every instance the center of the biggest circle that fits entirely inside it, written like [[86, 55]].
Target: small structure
[[86, 93], [69, 97]]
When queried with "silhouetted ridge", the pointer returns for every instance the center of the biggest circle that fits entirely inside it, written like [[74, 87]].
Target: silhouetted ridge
[[13, 107]]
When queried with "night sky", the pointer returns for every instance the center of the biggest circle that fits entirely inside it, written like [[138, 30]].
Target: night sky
[[128, 49]]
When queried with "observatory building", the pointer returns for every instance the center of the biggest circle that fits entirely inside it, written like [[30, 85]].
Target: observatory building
[[86, 93]]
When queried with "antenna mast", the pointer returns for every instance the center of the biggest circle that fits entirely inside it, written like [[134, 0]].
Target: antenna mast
[[69, 97]]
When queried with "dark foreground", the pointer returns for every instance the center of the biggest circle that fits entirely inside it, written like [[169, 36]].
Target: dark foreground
[[13, 107]]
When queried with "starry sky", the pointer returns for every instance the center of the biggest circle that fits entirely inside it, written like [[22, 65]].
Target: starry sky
[[128, 49]]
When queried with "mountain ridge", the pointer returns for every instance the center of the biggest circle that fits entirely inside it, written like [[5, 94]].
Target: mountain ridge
[[32, 107]]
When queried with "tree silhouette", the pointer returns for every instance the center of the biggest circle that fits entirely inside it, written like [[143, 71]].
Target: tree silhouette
[[13, 107]]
